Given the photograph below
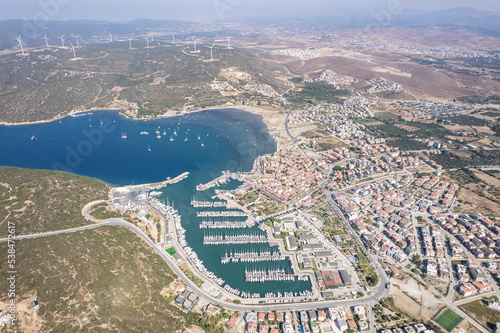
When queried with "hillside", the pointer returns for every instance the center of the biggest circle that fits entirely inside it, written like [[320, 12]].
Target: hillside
[[99, 280], [42, 200], [102, 280], [47, 82]]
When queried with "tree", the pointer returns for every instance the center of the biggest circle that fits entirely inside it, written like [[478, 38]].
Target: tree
[[372, 280]]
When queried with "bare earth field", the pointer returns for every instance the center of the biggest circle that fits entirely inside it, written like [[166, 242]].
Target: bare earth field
[[423, 82], [401, 292], [481, 204]]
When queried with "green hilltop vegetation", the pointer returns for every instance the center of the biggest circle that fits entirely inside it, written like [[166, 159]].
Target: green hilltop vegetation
[[48, 83], [43, 200]]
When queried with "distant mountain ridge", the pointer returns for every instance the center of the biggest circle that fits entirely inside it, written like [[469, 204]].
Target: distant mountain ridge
[[481, 21]]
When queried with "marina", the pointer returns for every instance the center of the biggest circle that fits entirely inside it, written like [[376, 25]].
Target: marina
[[181, 235], [146, 174]]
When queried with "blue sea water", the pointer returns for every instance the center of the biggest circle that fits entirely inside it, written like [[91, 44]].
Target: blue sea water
[[205, 144]]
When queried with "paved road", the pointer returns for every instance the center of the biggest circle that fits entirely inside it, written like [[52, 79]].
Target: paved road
[[474, 298], [379, 293]]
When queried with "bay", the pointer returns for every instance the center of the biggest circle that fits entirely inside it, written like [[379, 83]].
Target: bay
[[203, 143]]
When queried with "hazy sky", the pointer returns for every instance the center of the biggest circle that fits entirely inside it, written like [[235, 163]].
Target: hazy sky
[[209, 10]]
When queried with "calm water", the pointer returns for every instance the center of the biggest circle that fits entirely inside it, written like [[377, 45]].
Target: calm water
[[204, 143]]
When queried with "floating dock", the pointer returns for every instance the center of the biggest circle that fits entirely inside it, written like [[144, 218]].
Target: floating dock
[[251, 256], [203, 203], [223, 213], [212, 224], [271, 274], [245, 238]]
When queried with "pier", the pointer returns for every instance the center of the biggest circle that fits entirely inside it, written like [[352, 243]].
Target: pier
[[215, 182], [152, 186], [212, 224], [156, 186], [202, 203], [244, 238], [224, 213], [251, 256], [223, 179], [271, 274]]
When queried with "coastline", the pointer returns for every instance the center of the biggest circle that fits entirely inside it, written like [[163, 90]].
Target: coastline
[[58, 117], [273, 117]]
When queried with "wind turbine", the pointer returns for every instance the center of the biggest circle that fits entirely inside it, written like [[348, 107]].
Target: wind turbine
[[20, 43], [62, 40], [211, 52], [173, 38], [228, 41], [110, 37], [194, 43], [73, 50], [147, 40], [46, 40], [130, 43], [77, 43]]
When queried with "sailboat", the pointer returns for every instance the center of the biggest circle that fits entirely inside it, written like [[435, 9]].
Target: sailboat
[[171, 138], [149, 148], [124, 135], [202, 144], [199, 137], [164, 132]]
